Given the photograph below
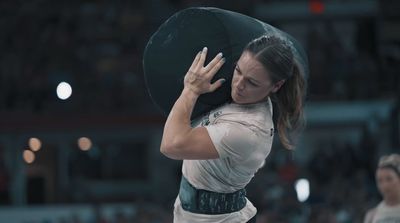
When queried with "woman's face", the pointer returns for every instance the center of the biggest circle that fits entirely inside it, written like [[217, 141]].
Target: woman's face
[[388, 182], [251, 82]]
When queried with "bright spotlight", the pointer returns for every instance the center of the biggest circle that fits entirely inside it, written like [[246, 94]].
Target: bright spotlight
[[64, 90], [302, 187], [84, 143], [28, 156], [35, 144]]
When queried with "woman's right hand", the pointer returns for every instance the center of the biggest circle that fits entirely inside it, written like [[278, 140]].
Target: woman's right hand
[[198, 78]]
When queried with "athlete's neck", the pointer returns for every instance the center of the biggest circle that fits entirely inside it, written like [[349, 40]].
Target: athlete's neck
[[393, 201]]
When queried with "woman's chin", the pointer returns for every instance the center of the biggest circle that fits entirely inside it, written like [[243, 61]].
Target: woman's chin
[[235, 98], [238, 99]]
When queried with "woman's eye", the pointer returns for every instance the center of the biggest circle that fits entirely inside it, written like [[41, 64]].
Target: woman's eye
[[253, 84]]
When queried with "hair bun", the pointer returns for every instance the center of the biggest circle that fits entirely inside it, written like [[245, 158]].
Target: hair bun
[[392, 160]]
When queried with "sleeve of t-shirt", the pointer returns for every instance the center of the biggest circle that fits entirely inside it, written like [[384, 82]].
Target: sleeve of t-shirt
[[232, 139], [369, 216]]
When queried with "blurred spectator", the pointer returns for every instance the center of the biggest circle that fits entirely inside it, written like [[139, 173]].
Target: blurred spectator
[[388, 182]]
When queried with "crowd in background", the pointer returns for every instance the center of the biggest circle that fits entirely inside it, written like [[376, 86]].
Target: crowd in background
[[97, 47], [342, 189]]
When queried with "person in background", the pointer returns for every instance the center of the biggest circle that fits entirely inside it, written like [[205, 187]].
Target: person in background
[[388, 182]]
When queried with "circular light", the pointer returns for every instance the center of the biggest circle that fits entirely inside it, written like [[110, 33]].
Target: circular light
[[35, 144], [64, 90], [28, 156], [302, 187], [84, 143]]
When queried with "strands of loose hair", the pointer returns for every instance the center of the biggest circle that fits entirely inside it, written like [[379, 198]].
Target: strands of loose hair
[[277, 58]]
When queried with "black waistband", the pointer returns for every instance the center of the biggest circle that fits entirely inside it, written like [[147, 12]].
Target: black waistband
[[208, 202]]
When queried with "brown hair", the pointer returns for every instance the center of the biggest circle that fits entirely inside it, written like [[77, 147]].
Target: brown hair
[[276, 55]]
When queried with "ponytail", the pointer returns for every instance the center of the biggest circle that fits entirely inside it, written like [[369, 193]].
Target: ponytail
[[276, 55], [289, 101]]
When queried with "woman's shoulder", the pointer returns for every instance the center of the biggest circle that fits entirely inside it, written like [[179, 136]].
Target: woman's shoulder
[[263, 108], [254, 117], [260, 112], [369, 216]]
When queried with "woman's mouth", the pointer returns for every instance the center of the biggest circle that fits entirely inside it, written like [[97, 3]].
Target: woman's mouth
[[238, 94]]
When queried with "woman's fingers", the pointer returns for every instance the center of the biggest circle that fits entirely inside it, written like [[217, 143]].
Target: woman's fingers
[[203, 55], [216, 84], [198, 77], [195, 61], [214, 69], [211, 69], [213, 62]]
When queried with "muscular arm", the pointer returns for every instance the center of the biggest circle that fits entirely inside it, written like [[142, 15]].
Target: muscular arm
[[180, 140]]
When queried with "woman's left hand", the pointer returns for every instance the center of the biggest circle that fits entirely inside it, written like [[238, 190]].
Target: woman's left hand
[[198, 78]]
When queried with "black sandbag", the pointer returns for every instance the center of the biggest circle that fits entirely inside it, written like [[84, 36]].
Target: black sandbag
[[172, 48]]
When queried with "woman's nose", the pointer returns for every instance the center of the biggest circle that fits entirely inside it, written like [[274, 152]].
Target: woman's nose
[[240, 84], [385, 186]]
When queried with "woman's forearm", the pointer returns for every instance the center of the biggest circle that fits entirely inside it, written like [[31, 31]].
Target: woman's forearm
[[179, 137]]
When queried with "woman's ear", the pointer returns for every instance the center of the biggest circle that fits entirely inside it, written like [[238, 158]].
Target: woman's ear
[[277, 86]]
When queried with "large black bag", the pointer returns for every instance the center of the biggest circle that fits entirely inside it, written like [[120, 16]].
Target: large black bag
[[172, 48]]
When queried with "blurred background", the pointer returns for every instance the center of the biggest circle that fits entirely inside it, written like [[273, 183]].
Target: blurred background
[[79, 135]]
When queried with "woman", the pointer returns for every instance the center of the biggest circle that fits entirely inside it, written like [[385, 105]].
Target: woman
[[388, 181], [225, 148]]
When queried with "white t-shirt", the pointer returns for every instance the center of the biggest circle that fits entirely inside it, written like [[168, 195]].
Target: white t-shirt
[[386, 214], [242, 135]]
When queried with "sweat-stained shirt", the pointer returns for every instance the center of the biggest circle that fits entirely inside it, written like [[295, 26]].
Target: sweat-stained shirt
[[242, 136]]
